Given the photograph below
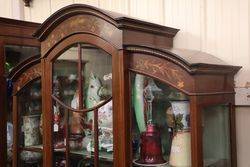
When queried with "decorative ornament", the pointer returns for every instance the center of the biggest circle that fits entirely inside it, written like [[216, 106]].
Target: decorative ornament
[[27, 3]]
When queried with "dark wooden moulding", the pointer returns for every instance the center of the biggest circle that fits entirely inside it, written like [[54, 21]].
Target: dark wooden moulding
[[141, 47], [13, 32]]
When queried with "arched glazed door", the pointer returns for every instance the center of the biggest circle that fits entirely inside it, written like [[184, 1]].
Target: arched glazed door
[[79, 105]]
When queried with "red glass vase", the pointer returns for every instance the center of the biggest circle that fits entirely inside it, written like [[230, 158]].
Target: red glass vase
[[151, 152]]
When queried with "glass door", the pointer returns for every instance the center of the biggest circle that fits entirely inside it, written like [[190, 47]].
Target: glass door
[[15, 56], [216, 136], [160, 123], [82, 107], [28, 114]]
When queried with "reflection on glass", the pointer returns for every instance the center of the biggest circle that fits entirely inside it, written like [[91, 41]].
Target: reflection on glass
[[216, 136], [160, 129], [15, 54], [30, 131], [82, 78]]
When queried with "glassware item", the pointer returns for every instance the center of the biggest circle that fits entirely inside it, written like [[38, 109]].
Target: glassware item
[[151, 148]]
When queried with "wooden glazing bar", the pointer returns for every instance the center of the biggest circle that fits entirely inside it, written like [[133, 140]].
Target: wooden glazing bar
[[67, 138], [3, 102], [232, 134], [83, 110], [196, 132], [33, 149], [15, 132], [80, 79], [96, 139]]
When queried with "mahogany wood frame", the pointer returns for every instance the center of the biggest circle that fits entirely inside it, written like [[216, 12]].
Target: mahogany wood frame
[[140, 47], [13, 32], [22, 76]]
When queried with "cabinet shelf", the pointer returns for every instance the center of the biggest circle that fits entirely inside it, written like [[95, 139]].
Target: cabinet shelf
[[37, 148], [103, 156]]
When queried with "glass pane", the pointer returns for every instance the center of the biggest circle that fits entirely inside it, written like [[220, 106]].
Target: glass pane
[[15, 54], [216, 136], [82, 144], [160, 128], [29, 123], [85, 85]]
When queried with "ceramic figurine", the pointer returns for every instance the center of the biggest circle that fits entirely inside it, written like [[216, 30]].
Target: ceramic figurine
[[181, 144], [31, 137], [105, 114], [105, 123], [138, 101], [92, 96]]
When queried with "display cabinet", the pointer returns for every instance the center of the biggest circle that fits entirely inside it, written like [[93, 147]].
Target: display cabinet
[[27, 113], [16, 45], [116, 93]]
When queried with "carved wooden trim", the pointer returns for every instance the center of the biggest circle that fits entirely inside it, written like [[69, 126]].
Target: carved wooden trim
[[82, 24], [27, 76]]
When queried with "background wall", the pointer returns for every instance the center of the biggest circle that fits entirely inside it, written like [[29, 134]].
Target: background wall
[[219, 27]]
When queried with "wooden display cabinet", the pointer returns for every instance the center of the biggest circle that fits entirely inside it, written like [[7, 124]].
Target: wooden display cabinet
[[116, 93], [16, 45]]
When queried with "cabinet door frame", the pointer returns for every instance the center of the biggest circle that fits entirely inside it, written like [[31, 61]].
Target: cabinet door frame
[[47, 73]]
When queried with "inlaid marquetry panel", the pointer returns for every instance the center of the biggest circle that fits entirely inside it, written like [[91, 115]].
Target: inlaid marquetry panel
[[27, 76], [165, 71], [83, 24]]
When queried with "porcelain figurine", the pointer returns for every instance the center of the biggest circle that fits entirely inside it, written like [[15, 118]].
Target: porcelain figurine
[[32, 137], [105, 114], [180, 154], [105, 123], [92, 96]]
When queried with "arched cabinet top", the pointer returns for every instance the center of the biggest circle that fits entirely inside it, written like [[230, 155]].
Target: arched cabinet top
[[149, 45], [115, 28]]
